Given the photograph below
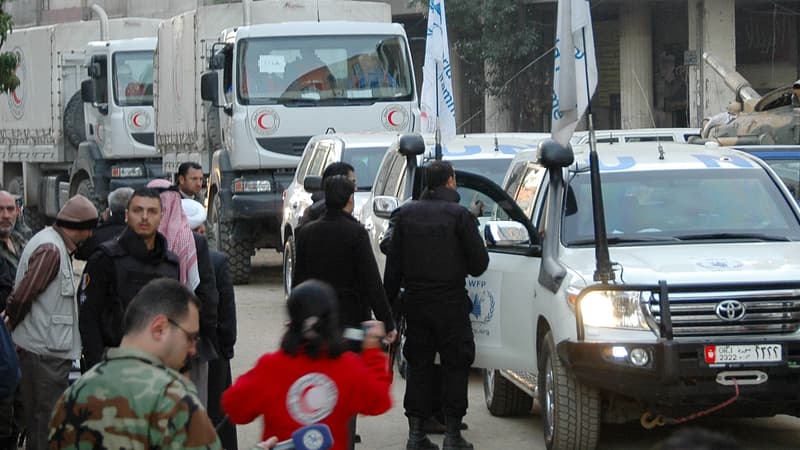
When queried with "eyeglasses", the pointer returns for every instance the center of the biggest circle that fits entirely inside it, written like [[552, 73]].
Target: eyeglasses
[[192, 337]]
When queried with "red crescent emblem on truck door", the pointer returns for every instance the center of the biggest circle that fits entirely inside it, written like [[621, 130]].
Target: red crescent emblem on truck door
[[265, 121], [394, 118]]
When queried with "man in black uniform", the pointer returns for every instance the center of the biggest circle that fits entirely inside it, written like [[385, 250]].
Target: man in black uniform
[[115, 273], [434, 246]]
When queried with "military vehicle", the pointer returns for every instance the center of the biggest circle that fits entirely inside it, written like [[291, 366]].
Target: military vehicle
[[753, 119]]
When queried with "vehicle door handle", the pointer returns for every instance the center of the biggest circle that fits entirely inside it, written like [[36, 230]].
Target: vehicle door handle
[[369, 226], [380, 238]]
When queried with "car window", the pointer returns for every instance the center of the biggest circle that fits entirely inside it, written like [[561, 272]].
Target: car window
[[303, 167], [366, 162], [319, 158], [493, 169], [651, 205], [789, 172], [515, 178], [393, 180], [384, 173], [526, 194]]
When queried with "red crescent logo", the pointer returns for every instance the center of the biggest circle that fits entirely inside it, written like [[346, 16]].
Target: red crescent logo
[[389, 118], [260, 121], [17, 100], [135, 120], [304, 406]]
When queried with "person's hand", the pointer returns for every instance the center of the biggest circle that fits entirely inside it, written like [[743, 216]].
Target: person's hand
[[374, 333], [269, 443], [390, 337], [477, 208]]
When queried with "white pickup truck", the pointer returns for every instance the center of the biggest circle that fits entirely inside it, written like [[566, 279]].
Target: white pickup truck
[[703, 306]]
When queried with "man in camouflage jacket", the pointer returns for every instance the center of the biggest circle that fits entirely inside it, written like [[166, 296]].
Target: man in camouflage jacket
[[135, 397]]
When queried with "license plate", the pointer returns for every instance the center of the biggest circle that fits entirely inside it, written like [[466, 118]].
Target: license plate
[[754, 353]]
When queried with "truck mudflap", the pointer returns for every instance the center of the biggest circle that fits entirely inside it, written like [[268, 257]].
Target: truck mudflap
[[674, 377]]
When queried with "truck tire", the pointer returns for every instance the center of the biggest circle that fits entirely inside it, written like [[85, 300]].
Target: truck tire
[[288, 264], [213, 134], [570, 409], [86, 189], [74, 130], [502, 397], [221, 238]]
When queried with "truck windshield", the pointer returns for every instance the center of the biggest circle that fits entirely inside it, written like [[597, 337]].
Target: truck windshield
[[332, 70], [133, 78], [681, 205]]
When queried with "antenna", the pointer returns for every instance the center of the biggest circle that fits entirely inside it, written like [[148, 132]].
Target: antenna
[[652, 117], [496, 143]]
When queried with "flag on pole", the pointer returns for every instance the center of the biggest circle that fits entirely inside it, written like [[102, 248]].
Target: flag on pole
[[437, 103], [575, 77]]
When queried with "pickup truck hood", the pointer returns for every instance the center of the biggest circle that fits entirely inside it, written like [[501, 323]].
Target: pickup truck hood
[[694, 263]]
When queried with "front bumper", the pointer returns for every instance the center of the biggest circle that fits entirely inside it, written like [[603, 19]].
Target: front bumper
[[679, 382]]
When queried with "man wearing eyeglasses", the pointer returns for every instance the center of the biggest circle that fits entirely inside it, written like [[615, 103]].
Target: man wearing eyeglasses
[[135, 397], [117, 271]]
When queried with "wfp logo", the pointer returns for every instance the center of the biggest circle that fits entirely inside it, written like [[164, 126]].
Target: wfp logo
[[483, 305]]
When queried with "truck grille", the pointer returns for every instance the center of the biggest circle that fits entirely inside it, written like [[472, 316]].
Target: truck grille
[[775, 311]]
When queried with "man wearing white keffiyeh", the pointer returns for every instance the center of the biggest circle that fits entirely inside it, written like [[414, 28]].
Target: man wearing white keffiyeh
[[197, 273]]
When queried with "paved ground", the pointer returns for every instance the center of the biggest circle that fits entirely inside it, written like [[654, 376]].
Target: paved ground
[[260, 307]]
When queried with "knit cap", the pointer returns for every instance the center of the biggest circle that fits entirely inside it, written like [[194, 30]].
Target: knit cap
[[78, 214]]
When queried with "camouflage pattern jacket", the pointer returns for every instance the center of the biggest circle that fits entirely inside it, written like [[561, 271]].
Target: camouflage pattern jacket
[[131, 400]]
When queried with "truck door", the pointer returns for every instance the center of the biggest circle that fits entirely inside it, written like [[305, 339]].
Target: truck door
[[503, 298]]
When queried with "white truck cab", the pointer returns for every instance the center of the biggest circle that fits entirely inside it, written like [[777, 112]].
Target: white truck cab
[[703, 305]]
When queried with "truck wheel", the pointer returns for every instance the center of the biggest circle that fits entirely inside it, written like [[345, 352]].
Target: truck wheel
[[74, 130], [288, 264], [502, 397], [221, 238], [86, 189], [570, 409]]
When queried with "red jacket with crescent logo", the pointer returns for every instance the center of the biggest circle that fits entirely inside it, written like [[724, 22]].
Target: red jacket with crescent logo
[[293, 391]]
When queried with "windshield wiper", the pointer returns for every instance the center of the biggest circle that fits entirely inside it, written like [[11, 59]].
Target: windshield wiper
[[625, 240], [733, 236]]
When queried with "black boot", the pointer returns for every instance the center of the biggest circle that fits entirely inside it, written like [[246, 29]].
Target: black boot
[[417, 439], [452, 436]]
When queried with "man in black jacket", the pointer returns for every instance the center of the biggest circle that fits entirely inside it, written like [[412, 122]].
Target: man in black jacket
[[336, 249], [435, 245], [115, 273], [112, 224]]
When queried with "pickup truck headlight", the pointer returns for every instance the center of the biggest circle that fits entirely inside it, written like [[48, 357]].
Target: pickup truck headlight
[[613, 309]]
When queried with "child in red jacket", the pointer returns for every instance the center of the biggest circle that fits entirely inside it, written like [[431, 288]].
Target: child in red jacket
[[312, 379]]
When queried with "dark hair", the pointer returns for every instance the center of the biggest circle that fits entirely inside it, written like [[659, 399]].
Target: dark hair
[[698, 439], [338, 190], [183, 169], [437, 173], [146, 193], [313, 321], [160, 296], [337, 168]]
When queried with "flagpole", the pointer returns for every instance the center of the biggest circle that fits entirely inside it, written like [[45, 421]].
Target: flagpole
[[604, 272], [437, 152]]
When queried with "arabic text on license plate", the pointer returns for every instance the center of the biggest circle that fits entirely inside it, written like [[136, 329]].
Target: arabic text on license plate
[[754, 353]]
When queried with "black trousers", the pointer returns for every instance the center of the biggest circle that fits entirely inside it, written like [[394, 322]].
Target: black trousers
[[443, 327], [219, 379]]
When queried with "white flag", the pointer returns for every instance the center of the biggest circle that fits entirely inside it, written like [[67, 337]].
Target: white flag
[[437, 77], [575, 58]]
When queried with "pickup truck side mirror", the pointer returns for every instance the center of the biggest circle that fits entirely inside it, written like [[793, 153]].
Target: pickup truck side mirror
[[209, 88], [505, 233], [312, 183], [87, 91], [383, 206]]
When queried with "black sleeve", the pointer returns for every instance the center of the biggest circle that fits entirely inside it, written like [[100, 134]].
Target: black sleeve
[[206, 291], [6, 282], [393, 272], [95, 293], [476, 255], [386, 243], [312, 213], [369, 281], [226, 318]]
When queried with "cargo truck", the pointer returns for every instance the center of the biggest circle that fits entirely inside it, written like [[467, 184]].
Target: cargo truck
[[241, 89], [48, 152]]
